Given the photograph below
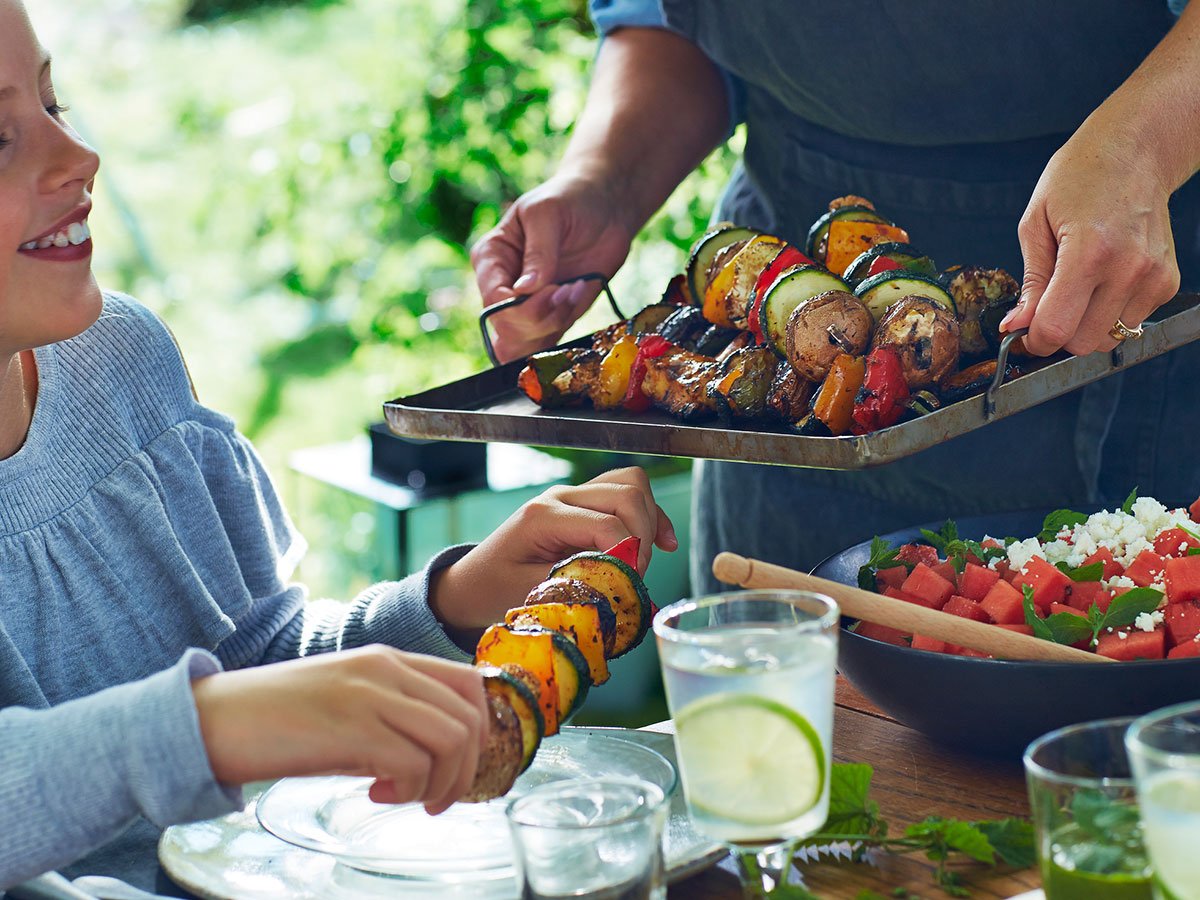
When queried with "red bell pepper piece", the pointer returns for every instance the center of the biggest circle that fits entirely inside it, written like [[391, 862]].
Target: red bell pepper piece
[[650, 346], [881, 401], [882, 263], [627, 551], [786, 258]]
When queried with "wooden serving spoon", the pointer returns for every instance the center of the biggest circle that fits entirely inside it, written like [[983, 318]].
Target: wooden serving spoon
[[907, 617]]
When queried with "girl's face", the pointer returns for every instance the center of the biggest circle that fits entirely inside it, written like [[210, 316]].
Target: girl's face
[[47, 292]]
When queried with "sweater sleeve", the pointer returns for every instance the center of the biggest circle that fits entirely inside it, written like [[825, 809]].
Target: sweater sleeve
[[75, 775]]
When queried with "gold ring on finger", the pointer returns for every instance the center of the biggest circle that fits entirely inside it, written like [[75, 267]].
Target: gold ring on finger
[[1121, 332]]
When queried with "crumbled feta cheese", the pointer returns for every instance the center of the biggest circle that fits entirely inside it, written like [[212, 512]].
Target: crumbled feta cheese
[[1147, 621], [1119, 581], [1021, 552], [1122, 635]]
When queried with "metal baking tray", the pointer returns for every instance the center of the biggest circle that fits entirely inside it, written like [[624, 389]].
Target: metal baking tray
[[489, 407]]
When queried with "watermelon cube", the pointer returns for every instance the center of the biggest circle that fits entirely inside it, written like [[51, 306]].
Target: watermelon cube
[[1135, 645], [1049, 583], [968, 609], [883, 633], [1174, 542], [1004, 604], [1182, 621], [891, 577], [1082, 594], [898, 594], [1112, 568], [1186, 649], [1183, 579], [1063, 608], [911, 554], [975, 581], [946, 570], [1147, 567], [927, 584], [933, 645]]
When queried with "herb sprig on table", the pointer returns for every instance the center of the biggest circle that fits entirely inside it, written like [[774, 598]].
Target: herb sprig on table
[[854, 829]]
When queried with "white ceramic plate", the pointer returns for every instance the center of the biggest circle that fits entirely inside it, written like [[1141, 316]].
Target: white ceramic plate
[[337, 846]]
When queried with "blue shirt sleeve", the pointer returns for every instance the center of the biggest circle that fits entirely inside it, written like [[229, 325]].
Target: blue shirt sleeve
[[609, 15]]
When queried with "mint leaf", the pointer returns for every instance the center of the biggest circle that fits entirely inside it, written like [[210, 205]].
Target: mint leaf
[[1068, 628], [1127, 506], [947, 534], [1128, 606], [1012, 839], [1091, 572], [882, 556], [1039, 626], [1193, 551], [1057, 521]]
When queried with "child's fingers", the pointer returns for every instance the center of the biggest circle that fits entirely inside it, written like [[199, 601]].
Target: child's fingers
[[463, 679], [450, 746]]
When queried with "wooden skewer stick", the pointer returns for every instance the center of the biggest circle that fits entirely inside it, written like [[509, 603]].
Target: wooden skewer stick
[[907, 617]]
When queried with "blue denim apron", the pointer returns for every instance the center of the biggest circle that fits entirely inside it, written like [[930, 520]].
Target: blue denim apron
[[943, 113]]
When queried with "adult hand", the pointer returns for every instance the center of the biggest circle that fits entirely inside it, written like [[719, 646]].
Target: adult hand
[[415, 723], [1097, 243], [569, 226], [500, 572]]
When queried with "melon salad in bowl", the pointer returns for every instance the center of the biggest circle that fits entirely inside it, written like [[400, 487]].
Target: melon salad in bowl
[[1124, 583], [850, 332], [539, 663]]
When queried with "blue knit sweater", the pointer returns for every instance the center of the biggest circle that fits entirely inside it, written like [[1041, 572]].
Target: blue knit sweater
[[141, 545]]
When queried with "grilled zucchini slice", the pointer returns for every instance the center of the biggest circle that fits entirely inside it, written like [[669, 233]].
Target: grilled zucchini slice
[[703, 251], [820, 229], [500, 761], [882, 290], [906, 256], [621, 585], [512, 684], [791, 289]]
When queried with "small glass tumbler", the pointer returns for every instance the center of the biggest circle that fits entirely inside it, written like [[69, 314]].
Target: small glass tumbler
[[1085, 814], [590, 839], [1164, 750]]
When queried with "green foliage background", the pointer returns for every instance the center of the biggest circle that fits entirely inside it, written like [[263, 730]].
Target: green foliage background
[[295, 186]]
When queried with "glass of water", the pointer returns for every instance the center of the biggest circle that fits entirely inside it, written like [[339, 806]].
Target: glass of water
[[1164, 750], [749, 678], [593, 838]]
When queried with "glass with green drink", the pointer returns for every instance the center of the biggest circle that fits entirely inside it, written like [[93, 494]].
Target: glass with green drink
[[1085, 814]]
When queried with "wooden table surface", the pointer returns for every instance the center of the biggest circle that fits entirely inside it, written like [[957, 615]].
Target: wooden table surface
[[914, 778]]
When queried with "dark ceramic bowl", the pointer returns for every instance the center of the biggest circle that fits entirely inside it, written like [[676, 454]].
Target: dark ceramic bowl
[[991, 706]]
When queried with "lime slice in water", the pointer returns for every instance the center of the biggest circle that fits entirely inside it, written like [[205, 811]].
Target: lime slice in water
[[749, 759]]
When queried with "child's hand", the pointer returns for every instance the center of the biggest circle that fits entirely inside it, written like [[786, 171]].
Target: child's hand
[[413, 722], [495, 576]]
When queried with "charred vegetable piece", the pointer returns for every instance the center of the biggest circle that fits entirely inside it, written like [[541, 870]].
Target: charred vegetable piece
[[572, 590], [818, 235], [787, 258], [512, 683], [834, 403], [744, 381], [615, 370], [727, 296], [703, 251], [502, 754], [791, 289], [678, 382], [676, 293], [536, 380], [922, 403], [880, 291], [848, 239], [790, 394], [883, 398], [925, 336], [716, 339], [648, 320], [974, 290], [811, 426], [684, 327], [558, 664], [822, 327], [888, 256], [581, 379], [623, 587], [577, 621], [650, 346], [969, 381]]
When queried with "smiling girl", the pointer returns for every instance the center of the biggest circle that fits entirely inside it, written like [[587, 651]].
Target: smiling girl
[[145, 563]]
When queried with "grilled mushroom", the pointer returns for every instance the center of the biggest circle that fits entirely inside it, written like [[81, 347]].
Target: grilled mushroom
[[975, 289], [822, 327], [925, 335], [790, 394], [500, 761]]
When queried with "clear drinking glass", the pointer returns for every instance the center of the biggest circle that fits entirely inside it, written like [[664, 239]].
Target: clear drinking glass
[[590, 839], [749, 678], [1164, 750], [1085, 814]]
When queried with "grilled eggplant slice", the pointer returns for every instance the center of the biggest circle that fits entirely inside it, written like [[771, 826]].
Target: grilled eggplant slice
[[536, 380], [502, 754], [572, 590], [715, 340], [925, 335], [684, 327], [790, 395], [823, 326], [649, 319], [744, 381], [623, 587], [974, 290], [704, 250], [727, 296], [678, 382], [512, 683], [791, 289]]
